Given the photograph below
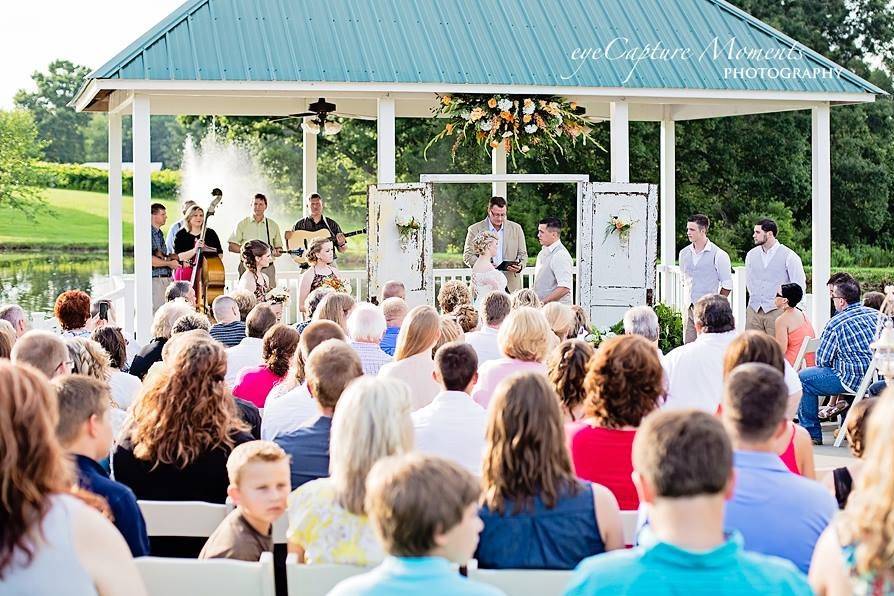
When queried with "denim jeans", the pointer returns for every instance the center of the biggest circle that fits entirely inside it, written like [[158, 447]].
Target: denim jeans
[[816, 381], [876, 388]]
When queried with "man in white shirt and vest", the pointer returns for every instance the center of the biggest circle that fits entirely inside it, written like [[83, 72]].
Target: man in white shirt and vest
[[767, 266], [553, 273], [706, 270]]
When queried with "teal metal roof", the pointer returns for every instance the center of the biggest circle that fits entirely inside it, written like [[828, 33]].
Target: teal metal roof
[[510, 42]]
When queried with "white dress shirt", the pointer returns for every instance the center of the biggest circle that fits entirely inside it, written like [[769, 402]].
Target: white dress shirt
[[416, 372], [497, 259], [287, 412], [484, 343], [248, 352], [452, 426], [695, 372]]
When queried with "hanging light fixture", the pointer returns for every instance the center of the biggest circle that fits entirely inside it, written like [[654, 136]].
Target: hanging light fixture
[[331, 127], [311, 125]]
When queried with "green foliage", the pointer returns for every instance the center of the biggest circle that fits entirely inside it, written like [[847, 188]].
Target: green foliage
[[20, 151], [76, 177], [670, 323], [871, 280]]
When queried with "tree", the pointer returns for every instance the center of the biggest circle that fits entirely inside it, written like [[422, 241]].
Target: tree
[[60, 126], [20, 150]]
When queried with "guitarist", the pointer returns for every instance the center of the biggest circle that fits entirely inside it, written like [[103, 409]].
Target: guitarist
[[257, 227], [317, 221], [162, 263]]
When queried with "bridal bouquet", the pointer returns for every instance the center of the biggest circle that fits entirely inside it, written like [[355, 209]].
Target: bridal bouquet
[[278, 295], [338, 284]]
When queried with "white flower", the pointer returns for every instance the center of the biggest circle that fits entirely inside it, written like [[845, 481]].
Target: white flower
[[610, 334], [604, 330], [504, 105], [507, 134], [529, 108], [591, 338], [485, 126], [465, 114], [525, 149], [531, 128]]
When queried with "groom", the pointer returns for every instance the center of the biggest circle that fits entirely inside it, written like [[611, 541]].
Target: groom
[[510, 242], [553, 274]]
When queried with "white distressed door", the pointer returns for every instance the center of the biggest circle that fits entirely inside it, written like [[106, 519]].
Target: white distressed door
[[403, 257], [614, 272]]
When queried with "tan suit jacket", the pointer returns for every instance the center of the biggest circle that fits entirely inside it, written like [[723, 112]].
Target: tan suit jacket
[[514, 249]]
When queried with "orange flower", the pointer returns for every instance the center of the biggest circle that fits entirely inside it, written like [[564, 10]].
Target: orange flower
[[446, 100], [506, 116], [573, 105], [480, 135], [507, 144], [448, 129], [495, 144], [492, 102], [618, 224], [526, 118]]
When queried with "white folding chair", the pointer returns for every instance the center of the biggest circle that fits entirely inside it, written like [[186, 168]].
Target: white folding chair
[[808, 346], [523, 582], [629, 521], [208, 577], [868, 378], [196, 519], [316, 580]]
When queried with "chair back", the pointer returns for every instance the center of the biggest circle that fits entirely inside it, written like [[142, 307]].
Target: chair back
[[164, 576], [196, 519], [523, 582], [317, 580], [629, 521], [808, 346]]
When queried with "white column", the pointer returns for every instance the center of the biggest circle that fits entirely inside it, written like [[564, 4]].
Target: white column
[[668, 189], [309, 179], [385, 147], [142, 224], [821, 209], [620, 144], [498, 166], [116, 236]]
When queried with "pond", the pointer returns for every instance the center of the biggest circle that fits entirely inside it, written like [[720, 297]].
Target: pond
[[33, 280]]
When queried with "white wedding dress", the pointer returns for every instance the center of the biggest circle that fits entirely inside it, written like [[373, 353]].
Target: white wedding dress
[[485, 282]]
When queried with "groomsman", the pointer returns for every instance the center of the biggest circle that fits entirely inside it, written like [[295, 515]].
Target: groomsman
[[510, 242], [257, 227], [706, 270], [767, 266], [553, 274]]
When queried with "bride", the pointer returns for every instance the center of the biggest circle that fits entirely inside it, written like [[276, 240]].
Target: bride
[[485, 277]]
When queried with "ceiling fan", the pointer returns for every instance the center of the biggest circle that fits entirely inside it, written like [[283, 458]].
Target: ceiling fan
[[322, 122]]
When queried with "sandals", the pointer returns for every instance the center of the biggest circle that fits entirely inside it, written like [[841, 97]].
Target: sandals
[[832, 410]]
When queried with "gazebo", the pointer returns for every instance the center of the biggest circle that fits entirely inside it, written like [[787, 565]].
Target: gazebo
[[622, 60]]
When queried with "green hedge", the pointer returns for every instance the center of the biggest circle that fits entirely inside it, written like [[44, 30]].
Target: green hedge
[[76, 177], [871, 279]]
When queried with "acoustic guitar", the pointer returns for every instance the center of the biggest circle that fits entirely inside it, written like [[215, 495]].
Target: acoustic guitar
[[298, 241]]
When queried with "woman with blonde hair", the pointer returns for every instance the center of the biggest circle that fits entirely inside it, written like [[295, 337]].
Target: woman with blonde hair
[[413, 363], [525, 297], [335, 307], [531, 496], [50, 541], [452, 294], [327, 520], [89, 358], [485, 277], [183, 428], [450, 331], [321, 256], [853, 555], [525, 339], [162, 324], [567, 370], [561, 319]]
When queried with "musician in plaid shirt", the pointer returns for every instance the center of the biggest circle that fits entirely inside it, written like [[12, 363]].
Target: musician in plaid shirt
[[843, 355]]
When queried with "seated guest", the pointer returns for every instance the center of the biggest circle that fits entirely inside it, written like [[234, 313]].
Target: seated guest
[[89, 359], [561, 320], [182, 290], [494, 310], [124, 387], [366, 326], [695, 370], [132, 348], [51, 542], [184, 426], [245, 300], [683, 471], [72, 311], [259, 484], [873, 300], [777, 512], [467, 317], [162, 324], [567, 369], [327, 518], [395, 310], [254, 382], [643, 321], [191, 321], [310, 305], [413, 363], [250, 351], [7, 339], [624, 384], [795, 448], [229, 329], [16, 316], [843, 355], [452, 294], [335, 307], [840, 481], [450, 331], [393, 289], [289, 405], [452, 425], [853, 554], [524, 343], [85, 432], [329, 369], [425, 513], [581, 321], [792, 327], [531, 496], [525, 297], [45, 351]]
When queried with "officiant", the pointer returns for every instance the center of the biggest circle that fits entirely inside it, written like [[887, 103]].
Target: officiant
[[512, 253]]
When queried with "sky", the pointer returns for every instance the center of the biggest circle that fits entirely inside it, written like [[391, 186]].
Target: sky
[[33, 33]]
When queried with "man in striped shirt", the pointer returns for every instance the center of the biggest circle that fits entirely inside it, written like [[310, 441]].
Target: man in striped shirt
[[843, 355], [229, 329]]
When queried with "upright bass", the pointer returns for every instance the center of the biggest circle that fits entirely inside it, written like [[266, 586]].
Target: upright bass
[[208, 275]]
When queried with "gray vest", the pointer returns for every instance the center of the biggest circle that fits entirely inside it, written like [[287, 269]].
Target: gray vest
[[702, 278], [763, 282]]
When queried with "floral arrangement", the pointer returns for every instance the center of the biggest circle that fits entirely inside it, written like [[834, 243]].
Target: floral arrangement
[[621, 226], [521, 124], [278, 295], [336, 283], [407, 226], [597, 335]]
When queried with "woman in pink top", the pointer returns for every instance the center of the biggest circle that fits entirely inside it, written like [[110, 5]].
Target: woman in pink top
[[624, 383], [255, 382], [793, 327], [524, 340]]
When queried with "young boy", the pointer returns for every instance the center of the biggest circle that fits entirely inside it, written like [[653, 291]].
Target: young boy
[[683, 469], [259, 485], [85, 432], [424, 510]]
